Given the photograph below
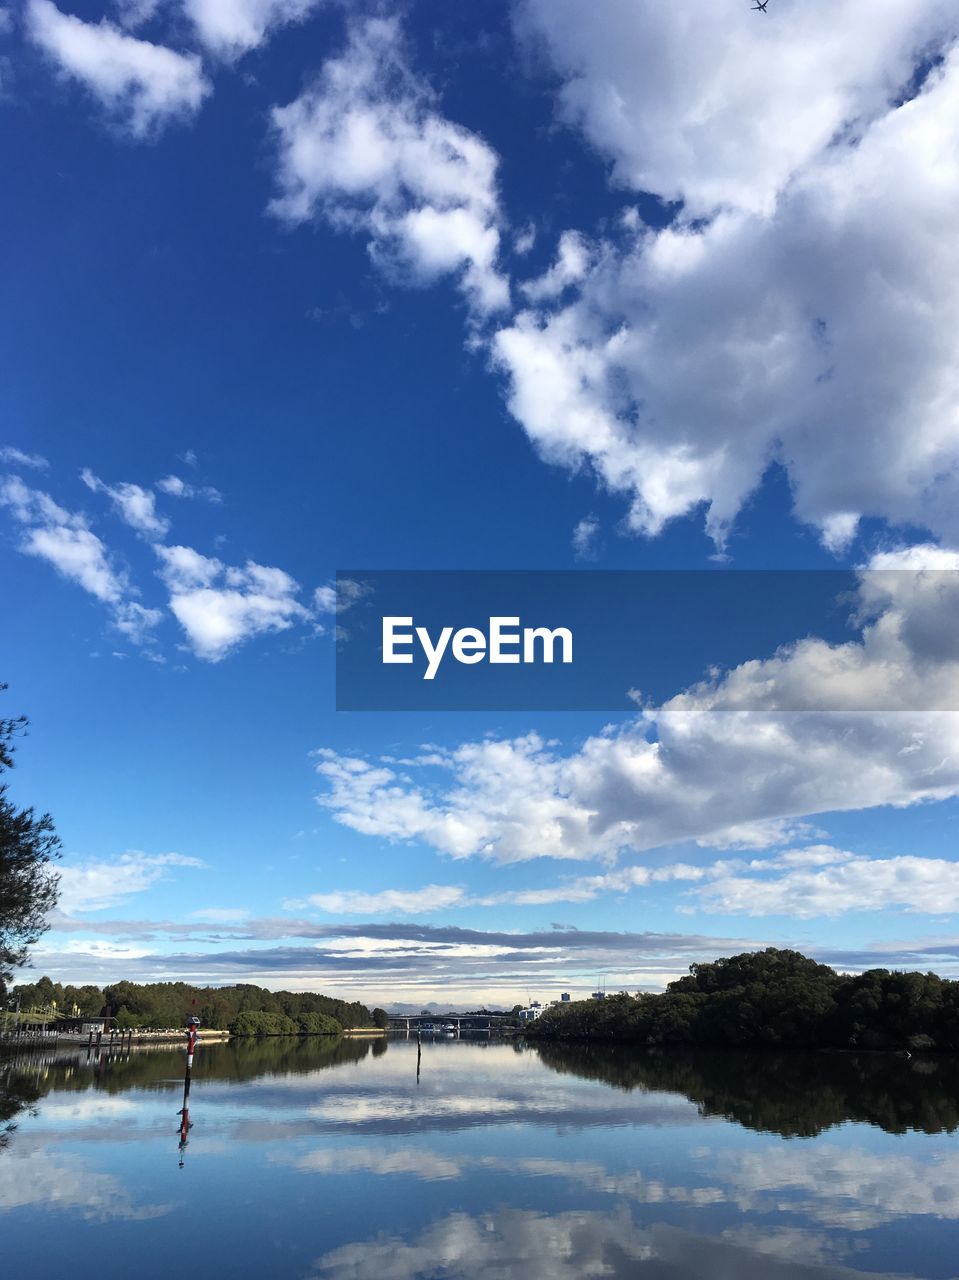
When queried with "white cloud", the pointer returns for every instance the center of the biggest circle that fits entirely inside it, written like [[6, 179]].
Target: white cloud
[[816, 881], [135, 505], [758, 835], [17, 458], [709, 106], [143, 86], [39, 1178], [585, 536], [352, 902], [340, 596], [810, 321], [365, 149], [434, 897], [221, 915], [134, 13], [822, 883], [524, 239], [738, 758], [64, 540], [416, 1162], [842, 1187], [229, 28], [176, 487], [220, 607], [573, 261], [91, 886], [579, 1243]]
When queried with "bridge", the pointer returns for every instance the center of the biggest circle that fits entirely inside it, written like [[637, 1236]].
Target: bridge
[[453, 1023]]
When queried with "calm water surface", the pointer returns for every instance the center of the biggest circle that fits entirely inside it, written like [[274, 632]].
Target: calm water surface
[[307, 1159]]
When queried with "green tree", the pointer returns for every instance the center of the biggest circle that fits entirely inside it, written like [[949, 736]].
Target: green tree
[[381, 1019], [28, 882]]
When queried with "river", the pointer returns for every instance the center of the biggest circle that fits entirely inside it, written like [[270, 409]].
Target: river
[[357, 1161]]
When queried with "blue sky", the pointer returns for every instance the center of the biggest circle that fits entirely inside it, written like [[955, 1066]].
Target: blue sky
[[294, 286]]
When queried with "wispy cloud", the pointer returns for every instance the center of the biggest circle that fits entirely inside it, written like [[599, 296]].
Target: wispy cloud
[[175, 487], [134, 504], [95, 885], [142, 86], [407, 961], [356, 902], [17, 458], [815, 882], [585, 538], [65, 540]]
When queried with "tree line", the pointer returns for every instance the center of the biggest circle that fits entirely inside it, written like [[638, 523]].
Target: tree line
[[772, 998], [243, 1009]]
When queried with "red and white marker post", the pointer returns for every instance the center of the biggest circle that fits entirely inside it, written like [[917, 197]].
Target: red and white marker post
[[192, 1027]]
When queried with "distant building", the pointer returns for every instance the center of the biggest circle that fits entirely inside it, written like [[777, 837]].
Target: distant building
[[82, 1025], [530, 1014], [564, 998], [598, 995]]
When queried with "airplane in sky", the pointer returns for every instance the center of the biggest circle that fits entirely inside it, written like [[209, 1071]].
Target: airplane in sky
[[760, 6]]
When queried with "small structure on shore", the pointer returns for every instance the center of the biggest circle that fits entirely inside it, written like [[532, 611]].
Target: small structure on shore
[[82, 1025]]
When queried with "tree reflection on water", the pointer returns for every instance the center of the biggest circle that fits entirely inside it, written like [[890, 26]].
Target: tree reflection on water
[[796, 1095]]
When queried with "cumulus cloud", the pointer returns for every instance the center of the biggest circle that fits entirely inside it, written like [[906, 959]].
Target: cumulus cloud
[[142, 86], [65, 540], [798, 309], [134, 504], [734, 756], [365, 148], [94, 885], [220, 606], [710, 107], [229, 28]]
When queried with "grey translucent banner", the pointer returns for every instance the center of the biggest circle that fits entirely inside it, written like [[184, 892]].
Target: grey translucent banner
[[611, 640]]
